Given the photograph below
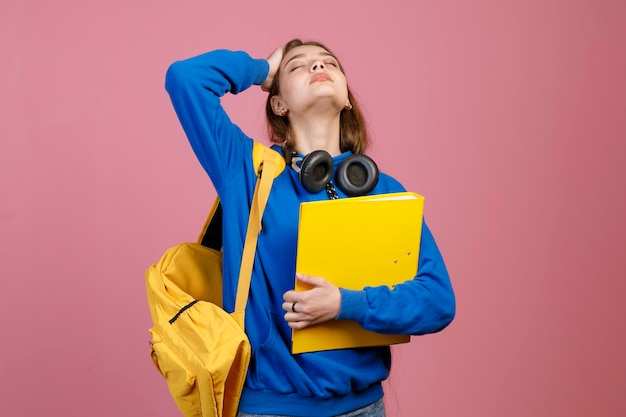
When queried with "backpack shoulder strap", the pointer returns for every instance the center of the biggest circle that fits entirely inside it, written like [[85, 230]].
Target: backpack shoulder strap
[[268, 164], [270, 167], [211, 232], [262, 153]]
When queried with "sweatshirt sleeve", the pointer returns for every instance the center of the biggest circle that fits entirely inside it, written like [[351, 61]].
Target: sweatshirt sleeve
[[195, 86], [423, 305]]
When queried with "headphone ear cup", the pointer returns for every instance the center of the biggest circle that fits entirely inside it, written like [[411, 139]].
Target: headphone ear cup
[[316, 171], [357, 175]]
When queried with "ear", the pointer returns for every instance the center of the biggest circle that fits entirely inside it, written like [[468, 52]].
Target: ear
[[278, 107]]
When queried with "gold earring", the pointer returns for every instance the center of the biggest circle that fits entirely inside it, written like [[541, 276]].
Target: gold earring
[[348, 105], [282, 112]]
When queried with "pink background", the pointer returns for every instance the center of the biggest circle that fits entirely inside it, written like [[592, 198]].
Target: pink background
[[509, 116]]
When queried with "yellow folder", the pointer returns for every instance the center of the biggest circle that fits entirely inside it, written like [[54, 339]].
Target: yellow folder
[[354, 243]]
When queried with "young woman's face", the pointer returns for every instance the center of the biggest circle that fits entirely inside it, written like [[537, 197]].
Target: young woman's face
[[310, 78]]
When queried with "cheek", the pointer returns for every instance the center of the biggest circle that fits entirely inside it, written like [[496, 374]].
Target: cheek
[[289, 92], [287, 89], [344, 86]]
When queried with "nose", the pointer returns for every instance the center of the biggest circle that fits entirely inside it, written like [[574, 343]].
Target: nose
[[318, 66]]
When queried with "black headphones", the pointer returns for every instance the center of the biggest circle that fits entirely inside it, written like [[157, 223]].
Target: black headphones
[[356, 175]]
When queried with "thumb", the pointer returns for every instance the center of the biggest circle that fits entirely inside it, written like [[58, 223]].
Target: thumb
[[310, 280]]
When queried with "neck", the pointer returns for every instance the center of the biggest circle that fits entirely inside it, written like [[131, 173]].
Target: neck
[[316, 133]]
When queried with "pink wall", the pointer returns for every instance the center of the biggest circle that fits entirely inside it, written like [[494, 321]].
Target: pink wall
[[509, 116]]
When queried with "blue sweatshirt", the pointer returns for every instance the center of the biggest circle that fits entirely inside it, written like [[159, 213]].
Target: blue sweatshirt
[[311, 384]]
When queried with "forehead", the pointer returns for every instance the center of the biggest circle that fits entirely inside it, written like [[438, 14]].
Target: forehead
[[306, 51]]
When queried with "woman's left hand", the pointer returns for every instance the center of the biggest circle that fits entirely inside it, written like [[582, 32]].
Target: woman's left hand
[[314, 306]]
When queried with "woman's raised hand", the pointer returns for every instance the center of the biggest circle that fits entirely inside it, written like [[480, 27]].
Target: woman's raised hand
[[274, 60]]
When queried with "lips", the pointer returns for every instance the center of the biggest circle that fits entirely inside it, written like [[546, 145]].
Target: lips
[[320, 78]]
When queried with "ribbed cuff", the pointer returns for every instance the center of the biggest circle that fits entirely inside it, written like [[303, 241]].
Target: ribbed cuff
[[353, 305], [261, 70]]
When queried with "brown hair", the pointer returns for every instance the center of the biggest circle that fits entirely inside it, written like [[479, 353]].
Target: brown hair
[[353, 132]]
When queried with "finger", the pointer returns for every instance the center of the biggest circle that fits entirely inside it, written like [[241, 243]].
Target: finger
[[310, 280], [288, 306], [297, 320], [300, 324], [290, 296]]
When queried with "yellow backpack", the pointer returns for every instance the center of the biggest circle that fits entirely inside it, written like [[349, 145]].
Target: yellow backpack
[[202, 351]]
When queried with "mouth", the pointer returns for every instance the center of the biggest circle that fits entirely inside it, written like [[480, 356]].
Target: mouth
[[320, 78]]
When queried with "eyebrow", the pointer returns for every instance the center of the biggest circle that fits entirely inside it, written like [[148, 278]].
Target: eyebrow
[[298, 56]]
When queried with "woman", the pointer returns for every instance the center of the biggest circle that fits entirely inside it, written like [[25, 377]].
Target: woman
[[309, 108]]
